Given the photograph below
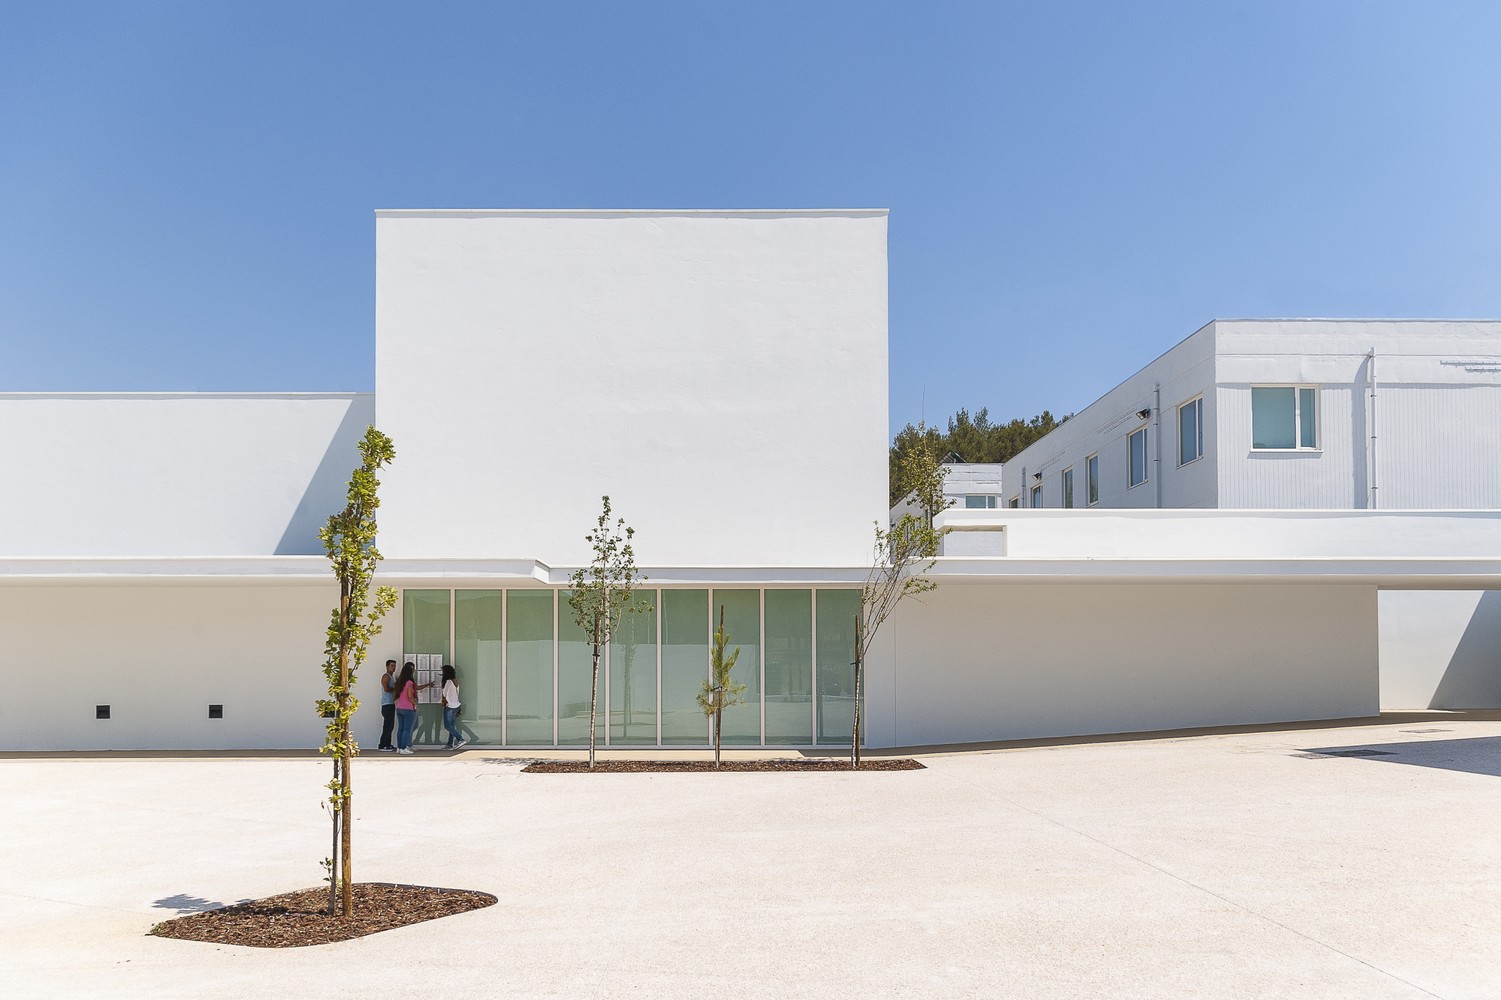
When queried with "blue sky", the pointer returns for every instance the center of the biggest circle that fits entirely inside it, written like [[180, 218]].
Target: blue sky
[[187, 189]]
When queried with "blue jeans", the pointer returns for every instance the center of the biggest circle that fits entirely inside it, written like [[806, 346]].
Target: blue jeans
[[406, 724], [451, 723]]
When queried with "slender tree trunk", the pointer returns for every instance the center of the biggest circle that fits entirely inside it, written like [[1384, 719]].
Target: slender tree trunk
[[718, 725], [346, 828], [859, 683], [593, 696], [333, 854]]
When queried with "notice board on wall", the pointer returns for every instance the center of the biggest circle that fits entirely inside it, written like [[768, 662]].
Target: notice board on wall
[[429, 672]]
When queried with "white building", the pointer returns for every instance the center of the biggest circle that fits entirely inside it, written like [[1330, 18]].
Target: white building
[[1287, 414], [162, 585], [1310, 415]]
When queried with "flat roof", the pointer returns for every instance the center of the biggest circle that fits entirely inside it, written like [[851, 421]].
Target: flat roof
[[632, 211]]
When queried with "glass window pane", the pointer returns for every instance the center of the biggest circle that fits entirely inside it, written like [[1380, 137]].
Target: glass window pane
[[974, 502], [477, 658], [575, 672], [529, 667], [836, 672], [633, 675], [1092, 472], [1272, 417], [424, 620], [1138, 448], [1188, 432], [685, 665], [742, 623], [1068, 487], [1308, 418], [789, 667]]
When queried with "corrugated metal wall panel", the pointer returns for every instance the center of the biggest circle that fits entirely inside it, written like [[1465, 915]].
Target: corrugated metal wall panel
[[1438, 446], [1331, 478]]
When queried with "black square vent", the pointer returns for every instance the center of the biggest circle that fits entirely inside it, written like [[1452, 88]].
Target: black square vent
[[101, 711], [216, 711]]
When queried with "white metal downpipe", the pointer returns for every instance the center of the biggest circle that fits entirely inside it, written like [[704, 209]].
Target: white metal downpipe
[[1371, 378], [1157, 435]]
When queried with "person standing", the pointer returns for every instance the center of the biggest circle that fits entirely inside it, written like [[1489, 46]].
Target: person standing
[[406, 706], [387, 707], [451, 708]]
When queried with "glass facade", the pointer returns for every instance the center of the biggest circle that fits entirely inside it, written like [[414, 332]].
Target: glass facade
[[529, 668], [789, 667], [479, 659], [633, 676], [424, 623], [836, 664], [685, 666], [741, 611], [575, 674], [524, 666]]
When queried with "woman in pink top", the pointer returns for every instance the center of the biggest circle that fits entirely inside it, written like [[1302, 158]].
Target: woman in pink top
[[406, 707]]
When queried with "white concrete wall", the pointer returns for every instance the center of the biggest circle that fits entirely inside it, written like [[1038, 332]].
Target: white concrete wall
[[1104, 427], [1440, 649], [997, 662], [147, 474], [721, 375], [1238, 534], [159, 656]]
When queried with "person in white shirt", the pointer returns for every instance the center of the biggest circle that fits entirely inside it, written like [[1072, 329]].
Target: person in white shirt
[[451, 708]]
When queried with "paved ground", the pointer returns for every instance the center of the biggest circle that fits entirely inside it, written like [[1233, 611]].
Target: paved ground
[[1233, 866]]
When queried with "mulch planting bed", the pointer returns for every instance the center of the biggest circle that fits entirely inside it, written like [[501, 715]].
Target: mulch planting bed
[[658, 766], [295, 919]]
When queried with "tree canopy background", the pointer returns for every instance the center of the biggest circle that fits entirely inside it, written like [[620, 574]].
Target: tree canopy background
[[968, 439]]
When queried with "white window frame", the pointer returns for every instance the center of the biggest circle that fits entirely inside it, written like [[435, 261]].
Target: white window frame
[[990, 501], [1034, 496], [1146, 458], [1318, 429], [1198, 404], [1092, 479], [1014, 503], [1066, 481]]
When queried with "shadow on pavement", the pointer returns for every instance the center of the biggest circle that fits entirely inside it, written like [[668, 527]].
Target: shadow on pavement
[[183, 903], [1481, 755]]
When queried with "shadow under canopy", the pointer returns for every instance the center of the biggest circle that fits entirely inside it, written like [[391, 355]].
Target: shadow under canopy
[[1479, 755]]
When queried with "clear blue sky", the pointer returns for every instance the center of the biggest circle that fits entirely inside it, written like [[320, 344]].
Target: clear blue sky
[[186, 189]]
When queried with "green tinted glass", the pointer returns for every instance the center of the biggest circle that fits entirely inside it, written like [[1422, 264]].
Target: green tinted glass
[[789, 667], [529, 673]]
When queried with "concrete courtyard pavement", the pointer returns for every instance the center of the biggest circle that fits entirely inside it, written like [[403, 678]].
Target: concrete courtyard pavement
[[1238, 866]]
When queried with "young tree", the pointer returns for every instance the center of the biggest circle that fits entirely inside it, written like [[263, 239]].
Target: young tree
[[917, 472], [349, 541], [602, 592], [903, 553], [720, 691]]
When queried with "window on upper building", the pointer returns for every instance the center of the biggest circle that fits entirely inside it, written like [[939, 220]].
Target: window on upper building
[[976, 501], [1092, 479], [1068, 487], [1136, 455], [1284, 417], [1014, 502], [1191, 431], [1037, 495]]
